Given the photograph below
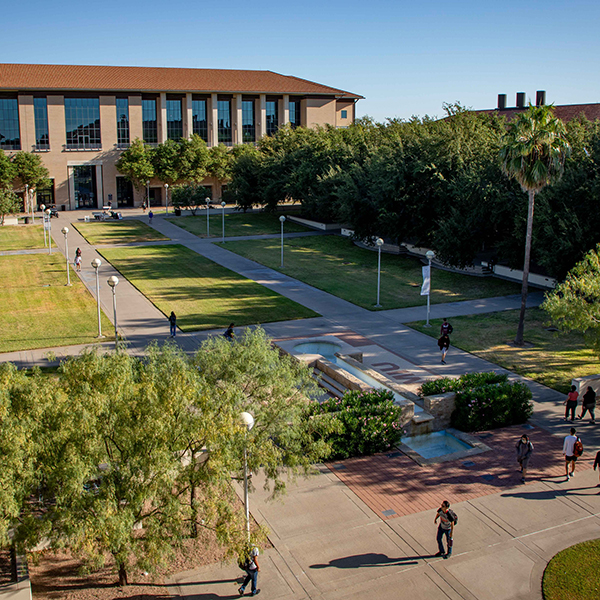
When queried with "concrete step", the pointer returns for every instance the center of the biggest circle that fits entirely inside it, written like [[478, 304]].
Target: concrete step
[[333, 387]]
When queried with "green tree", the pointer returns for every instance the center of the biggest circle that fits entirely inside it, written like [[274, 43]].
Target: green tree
[[534, 153], [135, 163], [193, 159], [190, 196], [30, 174], [220, 161], [574, 305], [10, 203], [7, 171]]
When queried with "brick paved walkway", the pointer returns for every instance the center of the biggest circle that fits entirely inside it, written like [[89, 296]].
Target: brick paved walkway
[[393, 485]]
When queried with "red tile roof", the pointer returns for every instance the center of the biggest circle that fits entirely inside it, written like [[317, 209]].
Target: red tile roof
[[157, 79], [566, 112]]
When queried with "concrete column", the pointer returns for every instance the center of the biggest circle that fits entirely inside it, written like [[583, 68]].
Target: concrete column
[[285, 113], [70, 201], [136, 129], [213, 134], [303, 113], [108, 122], [161, 116], [26, 123], [238, 135], [262, 116], [187, 116], [100, 187]]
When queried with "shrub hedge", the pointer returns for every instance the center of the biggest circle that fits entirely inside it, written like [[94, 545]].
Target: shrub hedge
[[467, 381], [367, 423], [492, 405]]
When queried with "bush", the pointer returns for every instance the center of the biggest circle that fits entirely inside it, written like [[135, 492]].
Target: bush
[[368, 422], [492, 405], [469, 380]]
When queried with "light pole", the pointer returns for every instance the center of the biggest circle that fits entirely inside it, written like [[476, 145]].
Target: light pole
[[223, 207], [65, 232], [282, 220], [148, 193], [113, 282], [49, 222], [96, 264], [429, 254], [167, 198], [207, 213], [248, 421], [379, 243], [43, 208], [28, 202]]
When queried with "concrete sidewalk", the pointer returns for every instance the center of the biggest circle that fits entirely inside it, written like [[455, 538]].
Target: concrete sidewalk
[[329, 545]]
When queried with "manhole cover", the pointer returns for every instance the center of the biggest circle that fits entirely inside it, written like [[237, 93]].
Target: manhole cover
[[388, 513], [469, 463], [394, 454], [488, 477], [484, 436], [527, 426], [339, 467]]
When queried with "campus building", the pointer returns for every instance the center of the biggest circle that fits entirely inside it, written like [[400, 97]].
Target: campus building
[[80, 118]]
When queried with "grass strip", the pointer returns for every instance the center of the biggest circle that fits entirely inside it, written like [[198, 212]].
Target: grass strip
[[203, 294], [550, 358], [334, 264], [39, 310], [21, 237], [118, 232]]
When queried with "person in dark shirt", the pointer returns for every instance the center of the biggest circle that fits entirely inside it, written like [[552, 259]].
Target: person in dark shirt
[[596, 464], [588, 404], [446, 328], [444, 344], [229, 333]]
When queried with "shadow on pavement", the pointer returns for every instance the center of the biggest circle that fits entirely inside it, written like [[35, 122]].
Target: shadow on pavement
[[550, 494], [369, 560]]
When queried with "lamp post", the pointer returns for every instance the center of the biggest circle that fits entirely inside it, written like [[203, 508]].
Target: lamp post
[[113, 282], [379, 243], [207, 213], [167, 198], [429, 254], [49, 222], [96, 264], [43, 208], [28, 201], [282, 219], [148, 193], [223, 207], [248, 421], [65, 232]]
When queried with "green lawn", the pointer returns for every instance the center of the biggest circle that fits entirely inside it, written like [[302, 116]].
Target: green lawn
[[335, 265], [118, 232], [39, 311], [550, 358], [236, 224], [203, 294], [21, 237], [573, 573]]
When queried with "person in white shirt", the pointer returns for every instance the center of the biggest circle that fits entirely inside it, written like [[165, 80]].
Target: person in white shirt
[[569, 453], [252, 568]]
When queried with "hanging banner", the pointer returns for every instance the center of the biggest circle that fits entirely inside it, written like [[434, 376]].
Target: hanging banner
[[426, 281]]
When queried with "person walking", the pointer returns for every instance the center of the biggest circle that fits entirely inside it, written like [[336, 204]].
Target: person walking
[[524, 451], [446, 328], [588, 404], [572, 448], [571, 403], [447, 519], [229, 333], [144, 206], [597, 464], [150, 217], [78, 263], [252, 568], [78, 252], [444, 344], [173, 322]]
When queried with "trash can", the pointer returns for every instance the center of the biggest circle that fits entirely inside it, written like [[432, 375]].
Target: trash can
[[63, 207], [26, 220]]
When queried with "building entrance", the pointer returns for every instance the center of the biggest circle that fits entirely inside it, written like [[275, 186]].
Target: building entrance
[[84, 179], [124, 192], [155, 197]]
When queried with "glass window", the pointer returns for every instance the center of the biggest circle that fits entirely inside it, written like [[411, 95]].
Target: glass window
[[46, 196], [344, 114], [84, 180], [272, 121], [149, 125], [10, 138], [295, 113], [199, 124], [124, 192], [224, 121], [122, 122], [248, 126], [40, 111], [174, 120], [82, 118]]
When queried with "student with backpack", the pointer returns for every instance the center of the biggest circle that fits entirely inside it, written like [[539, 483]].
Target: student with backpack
[[572, 450], [448, 520], [251, 566], [524, 451], [446, 328], [597, 464]]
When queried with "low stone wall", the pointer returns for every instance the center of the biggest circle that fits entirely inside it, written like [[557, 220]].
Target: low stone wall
[[315, 224], [440, 406], [582, 383]]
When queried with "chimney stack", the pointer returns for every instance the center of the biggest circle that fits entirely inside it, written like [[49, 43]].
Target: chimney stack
[[540, 98], [501, 101], [520, 99]]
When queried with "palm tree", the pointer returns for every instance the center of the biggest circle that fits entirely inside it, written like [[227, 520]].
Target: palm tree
[[534, 153]]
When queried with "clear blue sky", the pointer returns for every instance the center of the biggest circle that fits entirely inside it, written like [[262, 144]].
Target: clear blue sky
[[406, 58]]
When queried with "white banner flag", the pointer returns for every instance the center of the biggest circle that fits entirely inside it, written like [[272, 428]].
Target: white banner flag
[[426, 281]]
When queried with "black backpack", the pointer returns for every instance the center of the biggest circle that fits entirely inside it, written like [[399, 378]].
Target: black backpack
[[452, 516]]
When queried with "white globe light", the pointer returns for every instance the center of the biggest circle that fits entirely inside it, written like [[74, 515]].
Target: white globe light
[[247, 420]]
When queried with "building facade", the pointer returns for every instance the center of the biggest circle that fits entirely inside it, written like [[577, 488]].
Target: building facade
[[80, 118]]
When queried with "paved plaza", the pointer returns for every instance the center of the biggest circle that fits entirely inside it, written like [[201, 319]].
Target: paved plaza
[[364, 527]]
